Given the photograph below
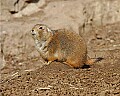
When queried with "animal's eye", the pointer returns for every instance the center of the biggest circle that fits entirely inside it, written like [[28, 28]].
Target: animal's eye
[[40, 27]]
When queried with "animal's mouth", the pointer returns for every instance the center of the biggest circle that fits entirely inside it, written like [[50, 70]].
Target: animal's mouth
[[33, 34]]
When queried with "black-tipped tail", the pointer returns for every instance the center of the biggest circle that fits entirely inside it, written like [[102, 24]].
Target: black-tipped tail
[[98, 59], [93, 60]]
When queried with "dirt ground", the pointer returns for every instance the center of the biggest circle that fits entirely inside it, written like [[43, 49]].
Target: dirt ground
[[27, 74]]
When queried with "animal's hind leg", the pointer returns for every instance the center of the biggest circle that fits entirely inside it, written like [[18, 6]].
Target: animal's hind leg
[[73, 63]]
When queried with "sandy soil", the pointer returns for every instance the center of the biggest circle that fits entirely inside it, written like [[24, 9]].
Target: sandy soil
[[27, 74]]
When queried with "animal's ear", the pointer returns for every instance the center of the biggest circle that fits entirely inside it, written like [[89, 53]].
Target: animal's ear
[[50, 31]]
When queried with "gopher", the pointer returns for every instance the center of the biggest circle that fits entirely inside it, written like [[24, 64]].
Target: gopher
[[61, 45]]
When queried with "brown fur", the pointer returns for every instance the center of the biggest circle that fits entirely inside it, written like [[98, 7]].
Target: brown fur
[[60, 45]]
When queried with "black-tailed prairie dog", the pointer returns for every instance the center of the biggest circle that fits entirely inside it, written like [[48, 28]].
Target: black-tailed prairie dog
[[60, 45]]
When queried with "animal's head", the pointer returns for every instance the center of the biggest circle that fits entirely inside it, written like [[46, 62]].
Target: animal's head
[[41, 32]]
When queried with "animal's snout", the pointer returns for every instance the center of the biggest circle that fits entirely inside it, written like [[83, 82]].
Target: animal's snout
[[32, 31]]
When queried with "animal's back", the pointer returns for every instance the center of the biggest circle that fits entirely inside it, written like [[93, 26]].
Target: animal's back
[[68, 47]]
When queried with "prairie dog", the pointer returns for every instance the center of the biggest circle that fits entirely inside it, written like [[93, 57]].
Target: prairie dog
[[60, 45]]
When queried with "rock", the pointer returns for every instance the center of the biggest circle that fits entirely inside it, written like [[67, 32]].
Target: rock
[[2, 62], [2, 59], [30, 9], [41, 3], [64, 15], [13, 5], [102, 12]]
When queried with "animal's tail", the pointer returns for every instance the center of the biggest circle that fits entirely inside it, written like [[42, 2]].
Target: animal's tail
[[93, 60]]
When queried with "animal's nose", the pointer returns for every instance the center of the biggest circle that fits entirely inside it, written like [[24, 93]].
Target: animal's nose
[[32, 31]]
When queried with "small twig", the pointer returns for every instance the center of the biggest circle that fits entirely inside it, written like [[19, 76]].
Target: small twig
[[14, 74], [71, 86], [108, 49], [44, 88], [29, 70], [118, 45], [74, 88], [10, 77]]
